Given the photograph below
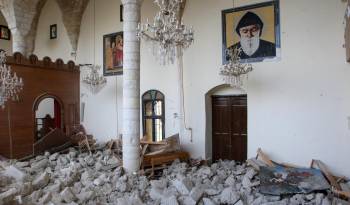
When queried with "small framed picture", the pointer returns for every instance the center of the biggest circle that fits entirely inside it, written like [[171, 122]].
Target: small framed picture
[[5, 33], [113, 54], [53, 31], [121, 12]]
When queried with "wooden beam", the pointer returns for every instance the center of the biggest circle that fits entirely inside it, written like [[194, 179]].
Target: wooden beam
[[265, 158], [326, 172]]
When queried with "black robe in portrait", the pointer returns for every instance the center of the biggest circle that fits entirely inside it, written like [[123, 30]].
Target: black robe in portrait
[[266, 49]]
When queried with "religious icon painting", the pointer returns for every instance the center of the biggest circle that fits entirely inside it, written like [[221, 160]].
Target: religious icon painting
[[113, 54], [5, 33], [53, 31], [255, 30]]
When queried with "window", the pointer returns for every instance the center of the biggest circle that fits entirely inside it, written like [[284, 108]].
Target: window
[[153, 115]]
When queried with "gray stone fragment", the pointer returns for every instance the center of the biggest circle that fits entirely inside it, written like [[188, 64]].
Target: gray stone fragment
[[230, 181], [85, 196], [183, 186], [169, 201], [41, 181], [45, 199], [22, 164], [319, 198], [310, 196], [35, 195], [240, 202], [42, 164], [283, 202], [297, 199], [67, 195], [14, 172], [326, 201], [25, 189], [207, 201], [196, 193], [229, 196], [8, 196], [212, 191], [55, 188], [54, 156]]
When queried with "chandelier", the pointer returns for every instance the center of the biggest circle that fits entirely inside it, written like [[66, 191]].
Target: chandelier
[[167, 33], [92, 80], [10, 84], [234, 71]]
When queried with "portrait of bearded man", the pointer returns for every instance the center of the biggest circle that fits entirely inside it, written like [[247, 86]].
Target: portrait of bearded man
[[249, 29]]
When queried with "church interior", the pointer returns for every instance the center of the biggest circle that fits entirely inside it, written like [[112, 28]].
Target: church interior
[[100, 102]]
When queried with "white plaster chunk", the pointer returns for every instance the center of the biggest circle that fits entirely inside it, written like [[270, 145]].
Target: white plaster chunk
[[41, 181], [169, 201], [42, 164], [14, 172], [67, 195], [183, 186], [229, 196], [8, 196]]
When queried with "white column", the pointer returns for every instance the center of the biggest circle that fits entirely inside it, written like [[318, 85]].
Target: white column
[[131, 86], [19, 42]]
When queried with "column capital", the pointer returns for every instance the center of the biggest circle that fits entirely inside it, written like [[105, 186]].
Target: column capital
[[139, 2]]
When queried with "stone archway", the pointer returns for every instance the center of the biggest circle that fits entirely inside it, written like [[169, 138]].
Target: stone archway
[[221, 90]]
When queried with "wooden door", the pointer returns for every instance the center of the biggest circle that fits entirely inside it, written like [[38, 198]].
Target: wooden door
[[229, 127]]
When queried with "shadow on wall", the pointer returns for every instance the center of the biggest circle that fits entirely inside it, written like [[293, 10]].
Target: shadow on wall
[[220, 90]]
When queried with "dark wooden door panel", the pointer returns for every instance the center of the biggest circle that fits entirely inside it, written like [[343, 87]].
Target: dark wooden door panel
[[229, 127]]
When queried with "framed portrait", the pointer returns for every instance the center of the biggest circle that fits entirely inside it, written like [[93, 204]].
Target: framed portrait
[[53, 31], [5, 33], [113, 54], [121, 8], [254, 29]]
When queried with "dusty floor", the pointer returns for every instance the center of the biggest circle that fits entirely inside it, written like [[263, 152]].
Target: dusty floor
[[75, 178]]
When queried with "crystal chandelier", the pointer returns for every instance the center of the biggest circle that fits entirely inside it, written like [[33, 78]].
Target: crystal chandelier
[[10, 84], [234, 71], [167, 34], [92, 80]]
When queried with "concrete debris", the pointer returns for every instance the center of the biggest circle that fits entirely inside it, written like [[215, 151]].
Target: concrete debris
[[229, 196], [67, 195], [81, 178], [14, 172], [8, 196], [41, 181]]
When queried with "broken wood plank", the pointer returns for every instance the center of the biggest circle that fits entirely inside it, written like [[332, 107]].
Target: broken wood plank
[[326, 172], [265, 158], [341, 193]]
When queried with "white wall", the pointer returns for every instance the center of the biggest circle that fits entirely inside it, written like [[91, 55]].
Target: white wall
[[5, 44], [45, 107], [297, 107]]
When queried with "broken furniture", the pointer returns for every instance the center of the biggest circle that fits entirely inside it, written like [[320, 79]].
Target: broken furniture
[[84, 141], [53, 141], [43, 79], [158, 154], [162, 159]]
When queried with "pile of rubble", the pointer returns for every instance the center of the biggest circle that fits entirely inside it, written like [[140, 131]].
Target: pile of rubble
[[81, 178]]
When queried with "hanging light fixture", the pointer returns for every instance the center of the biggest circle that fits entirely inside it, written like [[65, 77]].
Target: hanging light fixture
[[10, 84], [233, 72], [92, 80], [167, 34]]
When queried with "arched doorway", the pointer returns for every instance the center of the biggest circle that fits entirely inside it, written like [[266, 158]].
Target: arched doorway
[[226, 123], [48, 115]]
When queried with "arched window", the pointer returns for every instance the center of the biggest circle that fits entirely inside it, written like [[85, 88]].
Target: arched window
[[153, 115]]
